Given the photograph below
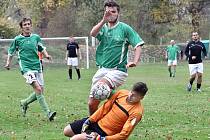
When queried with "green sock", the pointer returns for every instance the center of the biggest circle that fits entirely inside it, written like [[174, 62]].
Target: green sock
[[31, 98], [43, 104]]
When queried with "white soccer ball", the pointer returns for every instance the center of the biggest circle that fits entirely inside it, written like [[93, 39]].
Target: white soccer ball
[[101, 91]]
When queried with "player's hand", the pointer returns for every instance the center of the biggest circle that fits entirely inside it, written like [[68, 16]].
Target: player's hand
[[7, 67], [193, 57], [91, 136], [49, 57], [106, 16], [85, 125], [131, 64], [100, 138]]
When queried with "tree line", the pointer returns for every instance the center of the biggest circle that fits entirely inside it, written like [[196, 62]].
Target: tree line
[[154, 20]]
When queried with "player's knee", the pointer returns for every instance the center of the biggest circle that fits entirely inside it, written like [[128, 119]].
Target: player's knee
[[67, 131], [199, 75], [93, 103], [38, 90]]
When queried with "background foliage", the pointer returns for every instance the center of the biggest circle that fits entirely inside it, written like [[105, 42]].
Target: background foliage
[[155, 20]]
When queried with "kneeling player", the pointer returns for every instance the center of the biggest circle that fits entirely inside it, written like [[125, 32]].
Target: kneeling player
[[115, 119]]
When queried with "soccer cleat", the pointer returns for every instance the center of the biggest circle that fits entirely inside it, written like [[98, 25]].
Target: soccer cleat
[[170, 74], [51, 115], [199, 90], [23, 108], [189, 87]]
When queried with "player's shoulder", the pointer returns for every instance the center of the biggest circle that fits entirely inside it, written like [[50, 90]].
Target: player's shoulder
[[191, 42], [122, 92], [124, 25], [200, 42], [35, 35], [18, 37], [177, 46]]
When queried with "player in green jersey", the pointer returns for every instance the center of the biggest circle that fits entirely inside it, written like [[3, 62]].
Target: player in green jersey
[[28, 45], [111, 55], [171, 54]]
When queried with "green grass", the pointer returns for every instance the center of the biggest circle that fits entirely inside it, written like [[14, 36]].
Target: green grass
[[170, 111]]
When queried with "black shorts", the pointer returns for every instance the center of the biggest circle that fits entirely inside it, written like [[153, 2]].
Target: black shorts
[[76, 127]]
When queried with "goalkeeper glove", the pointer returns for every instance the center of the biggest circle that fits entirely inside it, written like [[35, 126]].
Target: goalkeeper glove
[[100, 138], [85, 125]]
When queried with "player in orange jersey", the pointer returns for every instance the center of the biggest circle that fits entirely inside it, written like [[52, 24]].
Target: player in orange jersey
[[114, 120]]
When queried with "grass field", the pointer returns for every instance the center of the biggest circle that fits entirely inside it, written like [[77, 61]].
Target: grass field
[[170, 111]]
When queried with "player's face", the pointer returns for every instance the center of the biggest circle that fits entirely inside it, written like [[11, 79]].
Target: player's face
[[114, 14], [26, 27], [71, 39], [173, 42], [134, 97], [195, 36]]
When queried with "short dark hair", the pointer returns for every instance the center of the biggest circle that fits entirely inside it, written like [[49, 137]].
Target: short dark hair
[[24, 20], [140, 88], [111, 3]]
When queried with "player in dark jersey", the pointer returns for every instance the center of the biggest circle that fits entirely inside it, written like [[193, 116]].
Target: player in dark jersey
[[72, 53], [193, 52]]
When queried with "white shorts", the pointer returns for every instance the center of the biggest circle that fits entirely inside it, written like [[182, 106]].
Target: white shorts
[[72, 61], [172, 62], [32, 76], [115, 77], [194, 68]]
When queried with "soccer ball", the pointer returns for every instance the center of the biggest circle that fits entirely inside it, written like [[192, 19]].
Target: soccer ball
[[101, 91]]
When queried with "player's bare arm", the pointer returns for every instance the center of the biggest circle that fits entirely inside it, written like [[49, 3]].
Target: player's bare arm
[[137, 54], [7, 65], [49, 57], [97, 27]]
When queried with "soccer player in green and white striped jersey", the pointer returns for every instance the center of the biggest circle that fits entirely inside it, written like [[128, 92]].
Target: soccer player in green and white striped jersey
[[112, 52], [27, 45]]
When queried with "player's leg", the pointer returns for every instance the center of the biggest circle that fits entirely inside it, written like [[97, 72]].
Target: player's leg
[[30, 99], [68, 131], [93, 103], [193, 71], [169, 67], [38, 88], [70, 72], [174, 68], [82, 136], [199, 76], [75, 64], [69, 64], [112, 78], [30, 78], [74, 128], [174, 71]]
